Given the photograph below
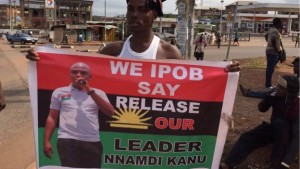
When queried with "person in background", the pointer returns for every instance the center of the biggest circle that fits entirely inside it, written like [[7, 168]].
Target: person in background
[[261, 94], [80, 39], [290, 137], [200, 46], [297, 40], [266, 133], [65, 40], [218, 40], [236, 38], [273, 49], [77, 108], [2, 99]]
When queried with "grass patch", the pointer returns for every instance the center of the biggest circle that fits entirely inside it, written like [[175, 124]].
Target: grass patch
[[261, 63], [254, 63]]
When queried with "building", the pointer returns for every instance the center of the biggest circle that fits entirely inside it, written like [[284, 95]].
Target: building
[[252, 16], [257, 17], [10, 15], [38, 14]]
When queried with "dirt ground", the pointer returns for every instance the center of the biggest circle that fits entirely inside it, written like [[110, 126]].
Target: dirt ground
[[245, 113]]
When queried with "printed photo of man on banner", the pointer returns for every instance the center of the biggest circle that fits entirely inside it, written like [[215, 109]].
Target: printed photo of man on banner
[[97, 111]]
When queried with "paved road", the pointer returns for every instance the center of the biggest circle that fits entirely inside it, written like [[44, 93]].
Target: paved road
[[16, 129], [247, 49]]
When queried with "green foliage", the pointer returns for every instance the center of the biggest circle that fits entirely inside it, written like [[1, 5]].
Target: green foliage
[[95, 18]]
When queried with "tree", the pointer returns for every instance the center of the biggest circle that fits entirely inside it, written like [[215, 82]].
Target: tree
[[189, 14]]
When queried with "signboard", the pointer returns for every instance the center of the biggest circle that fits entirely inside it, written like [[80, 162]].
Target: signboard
[[50, 15], [68, 26], [168, 114], [49, 4]]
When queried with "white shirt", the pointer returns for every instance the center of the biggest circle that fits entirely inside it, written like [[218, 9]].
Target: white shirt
[[150, 53], [78, 113]]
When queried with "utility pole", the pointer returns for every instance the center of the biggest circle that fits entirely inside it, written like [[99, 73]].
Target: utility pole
[[9, 1], [123, 26], [221, 18], [14, 15], [160, 24], [22, 9], [232, 29], [104, 20]]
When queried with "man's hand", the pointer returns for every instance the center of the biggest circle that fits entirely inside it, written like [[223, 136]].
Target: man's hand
[[48, 149], [2, 106], [31, 55], [233, 67], [2, 99]]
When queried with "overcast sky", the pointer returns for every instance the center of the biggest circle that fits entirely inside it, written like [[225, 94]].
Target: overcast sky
[[118, 7]]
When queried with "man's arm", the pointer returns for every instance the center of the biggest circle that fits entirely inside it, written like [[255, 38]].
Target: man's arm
[[265, 103], [103, 105], [275, 41], [49, 128], [112, 49], [2, 99]]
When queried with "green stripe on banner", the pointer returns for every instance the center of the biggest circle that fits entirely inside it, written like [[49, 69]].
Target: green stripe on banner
[[133, 151], [43, 160]]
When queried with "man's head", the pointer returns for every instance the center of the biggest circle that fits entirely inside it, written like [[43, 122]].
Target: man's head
[[80, 70], [296, 66], [141, 14], [155, 5], [277, 22]]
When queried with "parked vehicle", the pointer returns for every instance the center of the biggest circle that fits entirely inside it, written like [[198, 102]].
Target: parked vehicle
[[165, 36], [168, 37], [8, 37], [22, 38]]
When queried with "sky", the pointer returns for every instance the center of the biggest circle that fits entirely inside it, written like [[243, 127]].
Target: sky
[[118, 7]]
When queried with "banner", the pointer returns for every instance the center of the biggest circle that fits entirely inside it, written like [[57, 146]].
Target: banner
[[168, 113]]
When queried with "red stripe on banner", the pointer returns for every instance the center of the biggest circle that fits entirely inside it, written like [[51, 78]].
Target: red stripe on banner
[[136, 77]]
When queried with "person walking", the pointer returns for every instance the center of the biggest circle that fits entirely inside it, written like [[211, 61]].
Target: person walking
[[273, 49], [236, 38], [200, 46], [76, 107], [297, 40], [219, 39], [80, 39]]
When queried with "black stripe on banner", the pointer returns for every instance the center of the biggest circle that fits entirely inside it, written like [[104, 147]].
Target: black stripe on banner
[[151, 115]]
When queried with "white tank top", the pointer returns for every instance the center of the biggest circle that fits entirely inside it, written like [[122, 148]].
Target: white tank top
[[150, 53]]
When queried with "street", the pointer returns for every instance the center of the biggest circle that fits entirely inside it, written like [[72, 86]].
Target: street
[[16, 126]]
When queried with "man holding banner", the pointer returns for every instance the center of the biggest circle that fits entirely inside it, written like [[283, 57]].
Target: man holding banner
[[166, 114], [76, 106]]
